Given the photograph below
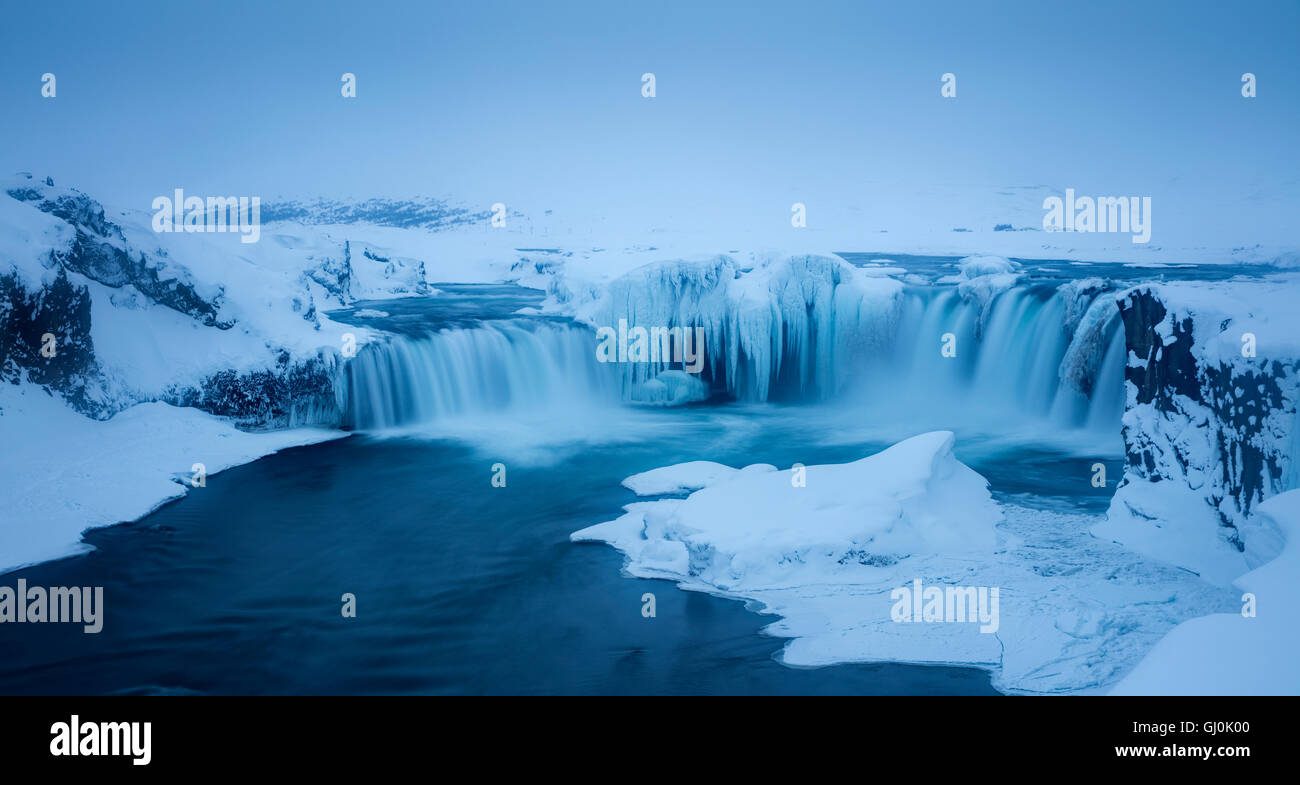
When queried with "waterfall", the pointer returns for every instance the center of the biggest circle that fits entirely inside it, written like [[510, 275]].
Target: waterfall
[[1033, 350], [1015, 355], [498, 366]]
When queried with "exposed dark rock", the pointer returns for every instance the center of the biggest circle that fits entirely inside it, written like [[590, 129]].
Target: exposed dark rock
[[1170, 368], [1244, 407], [58, 309], [291, 394]]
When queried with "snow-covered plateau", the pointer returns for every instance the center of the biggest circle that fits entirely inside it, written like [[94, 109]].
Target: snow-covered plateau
[[129, 355]]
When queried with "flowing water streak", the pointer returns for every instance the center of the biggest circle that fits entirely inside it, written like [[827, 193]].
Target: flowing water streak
[[1016, 355], [495, 367]]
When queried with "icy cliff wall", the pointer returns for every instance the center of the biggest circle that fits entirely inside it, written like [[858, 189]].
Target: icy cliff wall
[[772, 324], [1210, 426]]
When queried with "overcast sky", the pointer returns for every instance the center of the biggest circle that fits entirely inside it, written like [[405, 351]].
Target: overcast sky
[[540, 103]]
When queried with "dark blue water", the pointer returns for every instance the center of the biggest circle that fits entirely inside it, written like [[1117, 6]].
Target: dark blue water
[[461, 587]]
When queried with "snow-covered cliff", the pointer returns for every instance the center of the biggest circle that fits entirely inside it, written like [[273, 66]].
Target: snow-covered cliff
[[1210, 424], [192, 319]]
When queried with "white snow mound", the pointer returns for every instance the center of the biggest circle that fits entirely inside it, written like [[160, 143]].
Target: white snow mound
[[751, 526], [1237, 653]]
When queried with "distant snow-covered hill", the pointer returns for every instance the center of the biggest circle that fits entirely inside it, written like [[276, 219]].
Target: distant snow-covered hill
[[421, 213]]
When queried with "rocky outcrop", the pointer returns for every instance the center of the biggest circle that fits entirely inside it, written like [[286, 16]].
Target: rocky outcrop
[[47, 334], [1207, 410], [45, 338], [291, 394]]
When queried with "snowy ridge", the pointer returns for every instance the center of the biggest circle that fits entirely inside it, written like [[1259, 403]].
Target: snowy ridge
[[194, 319], [419, 213]]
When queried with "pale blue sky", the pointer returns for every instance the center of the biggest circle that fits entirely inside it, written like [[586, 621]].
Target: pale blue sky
[[539, 102]]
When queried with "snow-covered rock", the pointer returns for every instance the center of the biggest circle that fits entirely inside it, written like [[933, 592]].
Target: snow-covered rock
[[1251, 652], [195, 319], [980, 279], [1210, 426]]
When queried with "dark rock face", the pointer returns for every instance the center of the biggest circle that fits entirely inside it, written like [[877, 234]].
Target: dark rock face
[[58, 309], [291, 394], [1242, 402], [1170, 368], [112, 266], [74, 207], [1239, 412]]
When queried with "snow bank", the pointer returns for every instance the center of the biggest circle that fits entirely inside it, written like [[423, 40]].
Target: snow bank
[[201, 318], [686, 477], [1237, 653], [826, 549], [744, 527], [62, 473]]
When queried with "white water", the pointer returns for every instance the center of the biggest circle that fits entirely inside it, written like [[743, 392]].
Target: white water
[[500, 366], [1019, 356], [1018, 359]]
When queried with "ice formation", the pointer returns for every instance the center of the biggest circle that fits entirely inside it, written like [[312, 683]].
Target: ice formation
[[826, 549]]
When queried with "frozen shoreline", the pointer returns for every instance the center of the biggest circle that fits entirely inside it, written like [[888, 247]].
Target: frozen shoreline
[[1077, 613], [62, 474]]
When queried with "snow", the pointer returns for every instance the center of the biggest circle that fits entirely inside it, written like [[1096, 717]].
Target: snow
[[26, 237], [670, 388], [1177, 518], [890, 217], [1076, 613], [62, 473], [1172, 522], [1236, 653], [1223, 311], [980, 279], [973, 267], [686, 477], [756, 311], [912, 498], [789, 316]]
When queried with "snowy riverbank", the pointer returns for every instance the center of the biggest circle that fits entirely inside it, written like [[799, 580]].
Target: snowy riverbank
[[62, 473]]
